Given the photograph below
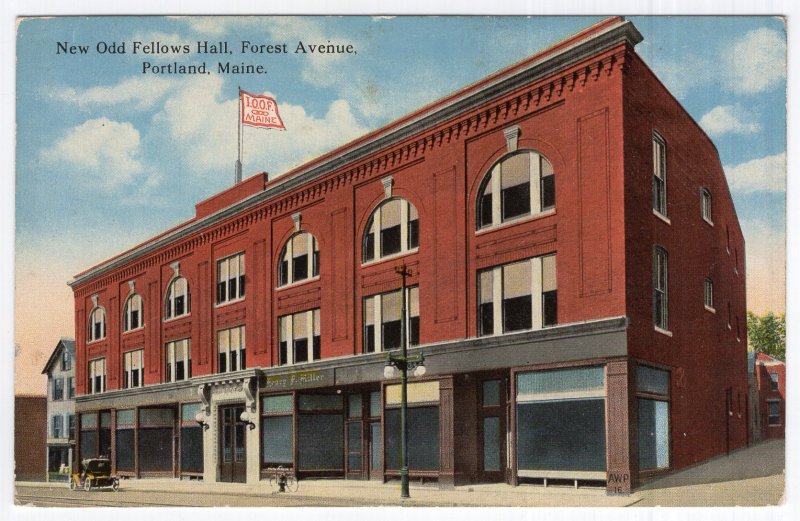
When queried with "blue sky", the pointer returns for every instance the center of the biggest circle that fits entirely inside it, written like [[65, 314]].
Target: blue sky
[[107, 156]]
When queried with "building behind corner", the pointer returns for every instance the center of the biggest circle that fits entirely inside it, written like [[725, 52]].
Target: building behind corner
[[577, 289]]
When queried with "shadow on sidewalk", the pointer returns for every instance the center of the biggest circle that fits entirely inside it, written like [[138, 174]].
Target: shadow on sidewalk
[[767, 458]]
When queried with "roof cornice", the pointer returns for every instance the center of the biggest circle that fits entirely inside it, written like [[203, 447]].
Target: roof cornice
[[585, 45]]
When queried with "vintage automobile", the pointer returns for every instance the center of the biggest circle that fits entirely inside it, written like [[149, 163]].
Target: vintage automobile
[[94, 473]]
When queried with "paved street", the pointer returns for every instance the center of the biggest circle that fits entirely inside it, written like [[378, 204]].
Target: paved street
[[750, 477]]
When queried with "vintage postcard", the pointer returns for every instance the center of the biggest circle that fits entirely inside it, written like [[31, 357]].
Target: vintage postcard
[[530, 261]]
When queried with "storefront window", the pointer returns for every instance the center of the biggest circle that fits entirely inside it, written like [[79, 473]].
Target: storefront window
[[89, 435], [423, 426], [155, 439], [321, 432], [125, 448], [652, 388], [191, 439], [277, 430]]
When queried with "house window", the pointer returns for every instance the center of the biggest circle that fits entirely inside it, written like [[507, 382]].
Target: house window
[[382, 320], [230, 278], [97, 324], [231, 350], [132, 315], [774, 413], [518, 296], [133, 374], [97, 376], [71, 387], [178, 303], [392, 228], [58, 426], [520, 185], [660, 295], [773, 381], [71, 426], [659, 175], [58, 389], [299, 337], [705, 205], [178, 360], [299, 259], [66, 360], [708, 294]]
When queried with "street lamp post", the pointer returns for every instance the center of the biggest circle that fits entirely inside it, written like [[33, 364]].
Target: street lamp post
[[404, 363]]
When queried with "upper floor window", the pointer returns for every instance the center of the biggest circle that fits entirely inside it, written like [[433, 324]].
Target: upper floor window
[[708, 294], [71, 426], [299, 259], [132, 314], [66, 360], [705, 206], [383, 320], [299, 337], [518, 296], [97, 376], [178, 303], [97, 324], [58, 389], [178, 360], [660, 295], [71, 387], [519, 185], [133, 369], [58, 426], [392, 228], [659, 175], [774, 417], [231, 350], [230, 278], [773, 381]]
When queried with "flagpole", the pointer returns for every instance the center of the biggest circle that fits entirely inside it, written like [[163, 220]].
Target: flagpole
[[238, 173]]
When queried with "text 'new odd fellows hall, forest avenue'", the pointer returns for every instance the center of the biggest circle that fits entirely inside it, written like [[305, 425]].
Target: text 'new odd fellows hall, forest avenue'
[[575, 281]]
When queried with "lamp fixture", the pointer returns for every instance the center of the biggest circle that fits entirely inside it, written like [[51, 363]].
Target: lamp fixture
[[200, 418], [245, 418]]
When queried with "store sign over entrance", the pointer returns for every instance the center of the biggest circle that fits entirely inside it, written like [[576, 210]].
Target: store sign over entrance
[[300, 379]]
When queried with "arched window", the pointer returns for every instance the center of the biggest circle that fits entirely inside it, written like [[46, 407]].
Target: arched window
[[392, 228], [299, 259], [132, 314], [519, 185], [97, 324], [178, 301]]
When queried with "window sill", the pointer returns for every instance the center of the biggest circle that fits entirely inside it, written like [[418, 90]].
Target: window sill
[[388, 258], [661, 216], [516, 220], [315, 278], [709, 221], [177, 317], [228, 302], [710, 309], [775, 425], [95, 341], [663, 331], [133, 330]]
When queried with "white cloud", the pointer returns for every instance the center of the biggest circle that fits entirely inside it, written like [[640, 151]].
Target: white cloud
[[756, 62], [104, 152], [725, 119], [766, 174], [140, 92], [766, 267]]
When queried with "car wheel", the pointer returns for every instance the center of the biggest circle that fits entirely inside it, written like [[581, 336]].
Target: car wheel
[[115, 485], [87, 485], [72, 485]]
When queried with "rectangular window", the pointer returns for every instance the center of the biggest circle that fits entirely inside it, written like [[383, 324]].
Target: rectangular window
[[548, 185], [97, 376], [231, 350], [383, 316], [708, 294], [277, 430], [66, 360], [773, 381], [178, 361], [653, 390], [57, 426], [71, 387], [230, 278], [518, 296], [299, 338], [58, 388], [133, 369], [659, 175], [660, 295], [705, 205], [774, 413], [515, 188], [191, 439], [71, 426]]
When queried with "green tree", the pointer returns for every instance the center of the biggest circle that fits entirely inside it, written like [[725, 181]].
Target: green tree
[[767, 333]]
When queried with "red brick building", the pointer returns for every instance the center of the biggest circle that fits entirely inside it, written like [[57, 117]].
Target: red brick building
[[577, 288], [770, 383]]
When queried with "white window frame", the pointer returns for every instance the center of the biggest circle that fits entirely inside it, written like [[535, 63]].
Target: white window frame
[[375, 222], [133, 361], [286, 334], [225, 346], [97, 317], [708, 295], [60, 433], [706, 206], [494, 180], [412, 311], [56, 380], [777, 403], [171, 349], [661, 265], [287, 253], [659, 176], [231, 268], [132, 304], [774, 382], [97, 369], [66, 360], [178, 287]]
